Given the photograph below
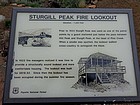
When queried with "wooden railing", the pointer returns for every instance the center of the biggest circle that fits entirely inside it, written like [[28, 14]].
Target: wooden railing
[[118, 69]]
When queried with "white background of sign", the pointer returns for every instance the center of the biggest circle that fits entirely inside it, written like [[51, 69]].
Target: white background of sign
[[60, 87]]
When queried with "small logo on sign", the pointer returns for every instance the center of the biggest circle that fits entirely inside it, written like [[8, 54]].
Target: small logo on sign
[[15, 90]]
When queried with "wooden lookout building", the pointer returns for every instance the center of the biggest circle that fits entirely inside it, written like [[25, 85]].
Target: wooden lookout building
[[100, 68]]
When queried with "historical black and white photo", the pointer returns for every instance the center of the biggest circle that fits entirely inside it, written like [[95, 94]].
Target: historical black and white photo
[[38, 38]]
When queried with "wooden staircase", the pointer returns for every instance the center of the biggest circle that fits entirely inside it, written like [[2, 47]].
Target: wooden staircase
[[103, 78]]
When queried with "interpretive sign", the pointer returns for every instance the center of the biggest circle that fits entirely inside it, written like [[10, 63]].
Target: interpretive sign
[[72, 55]]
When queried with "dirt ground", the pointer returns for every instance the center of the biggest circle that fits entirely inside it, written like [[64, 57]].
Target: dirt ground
[[2, 72], [133, 4], [6, 11]]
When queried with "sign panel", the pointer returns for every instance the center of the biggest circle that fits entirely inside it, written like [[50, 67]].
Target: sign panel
[[71, 54]]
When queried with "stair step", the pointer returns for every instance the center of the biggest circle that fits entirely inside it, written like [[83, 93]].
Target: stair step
[[104, 78]]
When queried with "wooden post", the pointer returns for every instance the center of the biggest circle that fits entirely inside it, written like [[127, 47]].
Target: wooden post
[[86, 81]]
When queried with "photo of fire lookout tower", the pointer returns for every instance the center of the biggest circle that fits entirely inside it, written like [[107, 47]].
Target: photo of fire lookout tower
[[100, 68]]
